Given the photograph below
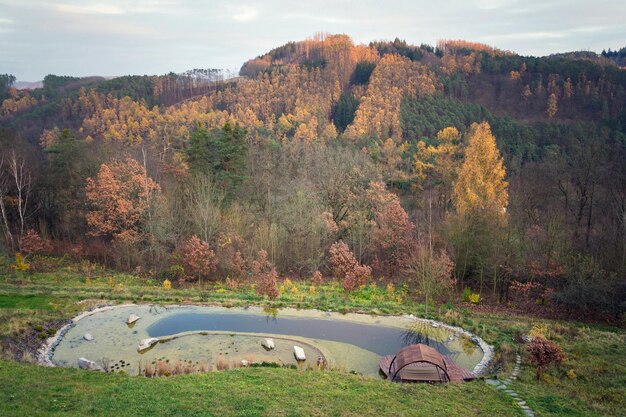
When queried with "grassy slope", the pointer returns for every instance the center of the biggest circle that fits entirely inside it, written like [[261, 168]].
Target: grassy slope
[[596, 355], [31, 391]]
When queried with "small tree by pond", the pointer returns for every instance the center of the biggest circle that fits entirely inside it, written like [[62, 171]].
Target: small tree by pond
[[199, 260], [345, 266], [431, 272], [265, 276], [544, 352]]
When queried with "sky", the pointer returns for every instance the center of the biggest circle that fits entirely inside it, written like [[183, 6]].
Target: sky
[[120, 37]]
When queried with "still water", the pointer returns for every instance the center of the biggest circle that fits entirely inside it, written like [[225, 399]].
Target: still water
[[353, 342]]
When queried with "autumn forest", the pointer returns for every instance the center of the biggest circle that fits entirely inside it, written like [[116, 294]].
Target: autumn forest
[[447, 169]]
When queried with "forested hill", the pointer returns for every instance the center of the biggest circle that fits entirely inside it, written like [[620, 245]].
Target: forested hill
[[313, 144]]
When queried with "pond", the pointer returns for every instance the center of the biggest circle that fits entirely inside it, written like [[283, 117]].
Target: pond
[[210, 336]]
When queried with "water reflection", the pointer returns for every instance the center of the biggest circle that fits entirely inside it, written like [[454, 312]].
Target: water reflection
[[423, 333]]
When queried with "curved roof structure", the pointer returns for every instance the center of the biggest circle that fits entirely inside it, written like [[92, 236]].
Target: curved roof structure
[[422, 363]]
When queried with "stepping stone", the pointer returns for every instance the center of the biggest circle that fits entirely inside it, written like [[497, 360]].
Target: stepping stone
[[501, 387], [513, 378], [492, 381], [521, 403], [510, 391]]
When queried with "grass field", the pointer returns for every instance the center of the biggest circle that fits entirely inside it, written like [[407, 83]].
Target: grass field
[[31, 305]]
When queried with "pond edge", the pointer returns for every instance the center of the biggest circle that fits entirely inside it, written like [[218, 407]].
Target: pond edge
[[45, 352]]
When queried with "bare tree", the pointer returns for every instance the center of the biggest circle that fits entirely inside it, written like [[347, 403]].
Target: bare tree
[[22, 176], [5, 181], [205, 203]]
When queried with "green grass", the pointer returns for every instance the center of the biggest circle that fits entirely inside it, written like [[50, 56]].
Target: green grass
[[28, 301], [32, 391], [34, 302]]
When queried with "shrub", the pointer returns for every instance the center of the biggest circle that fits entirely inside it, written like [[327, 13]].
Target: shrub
[[504, 355], [265, 276], [590, 288], [474, 298], [32, 243], [391, 291], [20, 264], [177, 271], [538, 330], [345, 266], [431, 271], [466, 294], [199, 260], [167, 284], [232, 284], [318, 279], [544, 352]]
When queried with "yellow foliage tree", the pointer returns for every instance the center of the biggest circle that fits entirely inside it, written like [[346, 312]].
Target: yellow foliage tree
[[440, 161], [552, 106], [481, 186]]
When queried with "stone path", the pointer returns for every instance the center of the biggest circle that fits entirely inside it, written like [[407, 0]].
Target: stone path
[[504, 386]]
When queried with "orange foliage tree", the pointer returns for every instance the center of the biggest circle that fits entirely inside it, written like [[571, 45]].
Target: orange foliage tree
[[265, 276], [345, 266], [197, 258], [118, 199], [393, 237], [32, 243]]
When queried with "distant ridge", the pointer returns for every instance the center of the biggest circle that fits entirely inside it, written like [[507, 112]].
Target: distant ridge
[[31, 85], [28, 85]]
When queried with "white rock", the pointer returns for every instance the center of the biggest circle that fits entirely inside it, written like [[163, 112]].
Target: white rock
[[268, 343], [146, 343], [435, 325], [88, 337], [84, 363], [299, 352], [132, 318], [244, 362]]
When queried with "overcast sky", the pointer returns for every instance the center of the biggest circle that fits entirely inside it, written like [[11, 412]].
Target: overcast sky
[[118, 37]]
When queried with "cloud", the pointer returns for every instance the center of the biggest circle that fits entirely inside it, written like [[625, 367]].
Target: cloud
[[5, 25], [492, 4], [312, 17], [245, 14], [98, 8], [524, 36]]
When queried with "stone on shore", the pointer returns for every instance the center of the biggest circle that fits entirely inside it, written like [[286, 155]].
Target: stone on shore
[[268, 343], [84, 363], [299, 353], [132, 318], [147, 343]]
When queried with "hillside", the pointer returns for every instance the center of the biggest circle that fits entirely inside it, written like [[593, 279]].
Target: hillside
[[274, 141]]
